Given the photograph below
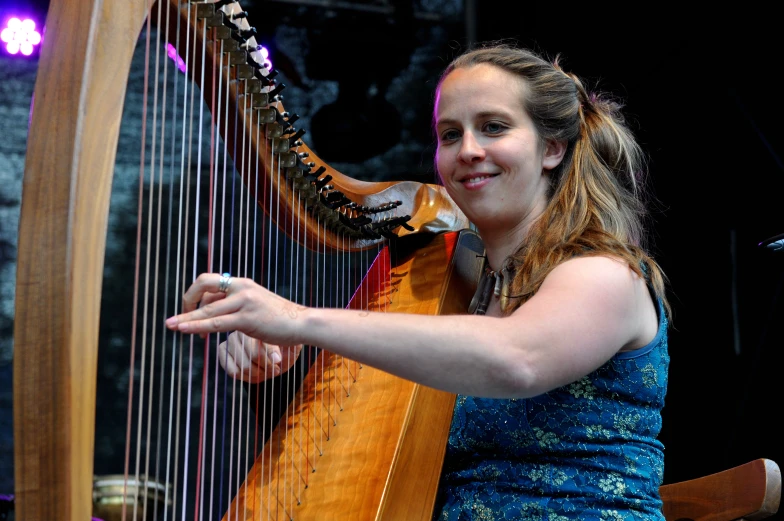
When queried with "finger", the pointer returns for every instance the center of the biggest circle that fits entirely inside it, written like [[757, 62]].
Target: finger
[[245, 350], [233, 342], [268, 368], [196, 291], [264, 357], [251, 348], [219, 316], [272, 370], [227, 361], [251, 374], [289, 355], [210, 297], [241, 348], [272, 354], [192, 325], [235, 369], [205, 283]]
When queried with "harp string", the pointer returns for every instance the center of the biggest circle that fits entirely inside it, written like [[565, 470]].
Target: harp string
[[166, 261], [149, 337], [136, 291], [208, 485], [245, 258], [184, 454], [168, 406], [155, 171]]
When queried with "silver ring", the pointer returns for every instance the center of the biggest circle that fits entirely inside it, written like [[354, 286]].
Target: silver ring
[[224, 283]]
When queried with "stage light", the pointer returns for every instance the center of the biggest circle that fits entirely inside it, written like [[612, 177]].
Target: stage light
[[261, 56], [172, 52], [20, 36]]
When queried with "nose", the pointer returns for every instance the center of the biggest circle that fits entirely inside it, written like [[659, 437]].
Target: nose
[[471, 149]]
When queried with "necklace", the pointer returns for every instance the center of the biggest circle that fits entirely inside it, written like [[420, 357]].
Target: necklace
[[493, 284]]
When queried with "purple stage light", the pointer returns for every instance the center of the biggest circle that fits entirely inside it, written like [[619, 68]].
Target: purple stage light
[[172, 52], [265, 57], [20, 36]]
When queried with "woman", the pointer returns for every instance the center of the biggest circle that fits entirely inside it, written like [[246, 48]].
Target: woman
[[561, 374]]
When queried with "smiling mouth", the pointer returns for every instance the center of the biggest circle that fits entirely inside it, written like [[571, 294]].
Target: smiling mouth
[[477, 179]]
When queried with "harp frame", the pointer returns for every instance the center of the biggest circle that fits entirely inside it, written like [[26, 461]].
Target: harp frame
[[71, 150], [69, 164]]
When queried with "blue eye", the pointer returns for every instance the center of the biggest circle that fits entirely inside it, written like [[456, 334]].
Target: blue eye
[[493, 127], [450, 135]]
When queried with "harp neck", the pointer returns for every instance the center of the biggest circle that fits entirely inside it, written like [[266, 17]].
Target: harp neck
[[310, 198]]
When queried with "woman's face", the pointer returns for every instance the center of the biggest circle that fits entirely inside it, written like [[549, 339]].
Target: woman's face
[[489, 154]]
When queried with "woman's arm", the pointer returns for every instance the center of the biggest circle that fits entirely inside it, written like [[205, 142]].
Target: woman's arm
[[586, 310]]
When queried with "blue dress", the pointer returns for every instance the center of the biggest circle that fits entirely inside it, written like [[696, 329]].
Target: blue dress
[[587, 450]]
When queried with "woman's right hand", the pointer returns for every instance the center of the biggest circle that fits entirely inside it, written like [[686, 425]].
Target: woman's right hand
[[254, 361]]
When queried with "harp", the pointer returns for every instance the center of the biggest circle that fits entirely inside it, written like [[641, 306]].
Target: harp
[[62, 237]]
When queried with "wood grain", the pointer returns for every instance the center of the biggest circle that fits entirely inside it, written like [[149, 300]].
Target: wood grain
[[62, 233], [749, 491], [383, 455]]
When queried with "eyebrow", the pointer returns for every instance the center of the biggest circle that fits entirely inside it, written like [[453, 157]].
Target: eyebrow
[[487, 114]]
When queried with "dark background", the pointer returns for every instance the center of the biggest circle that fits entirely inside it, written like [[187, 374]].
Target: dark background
[[702, 94]]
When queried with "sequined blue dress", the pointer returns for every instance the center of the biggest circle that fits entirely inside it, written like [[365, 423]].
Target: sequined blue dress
[[586, 451]]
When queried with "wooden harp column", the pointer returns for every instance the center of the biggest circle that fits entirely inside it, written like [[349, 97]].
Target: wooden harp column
[[72, 143], [71, 150]]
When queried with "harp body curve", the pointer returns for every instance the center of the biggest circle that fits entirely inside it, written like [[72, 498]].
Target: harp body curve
[[384, 461]]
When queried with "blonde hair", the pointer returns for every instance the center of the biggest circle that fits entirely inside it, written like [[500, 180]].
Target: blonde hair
[[598, 194]]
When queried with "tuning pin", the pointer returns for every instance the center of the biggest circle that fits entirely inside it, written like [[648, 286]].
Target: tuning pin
[[248, 33], [334, 196], [298, 134], [275, 91], [360, 221], [318, 172], [320, 183]]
